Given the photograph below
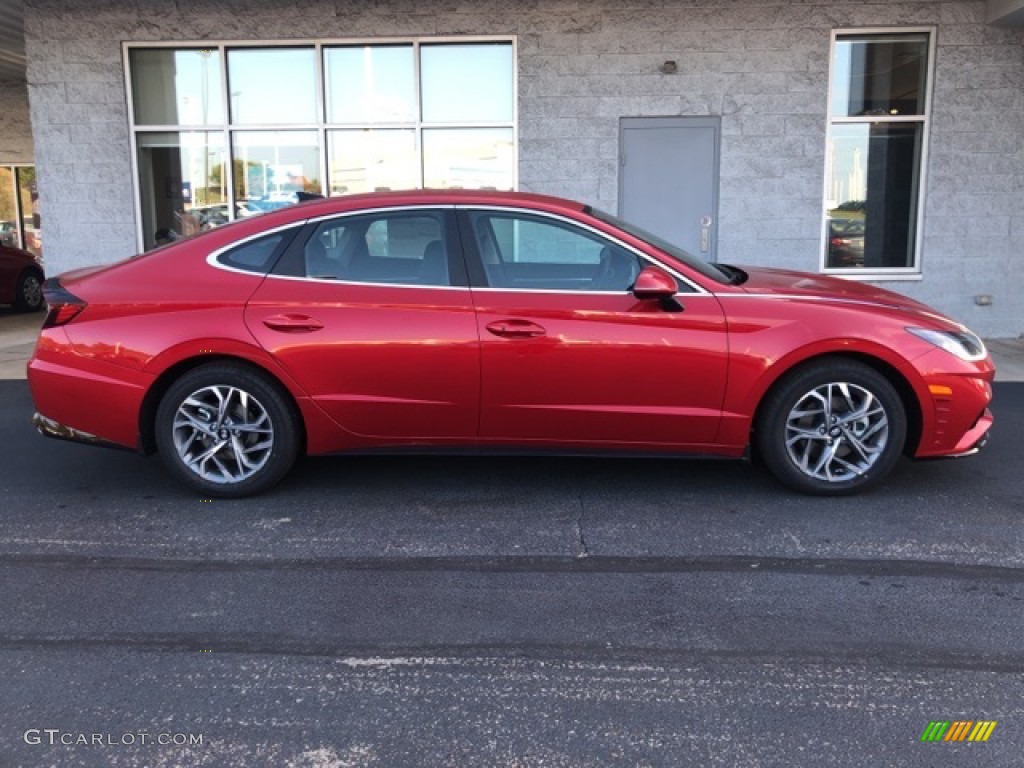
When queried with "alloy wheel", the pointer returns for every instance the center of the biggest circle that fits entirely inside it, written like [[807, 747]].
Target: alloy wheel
[[223, 434], [836, 431]]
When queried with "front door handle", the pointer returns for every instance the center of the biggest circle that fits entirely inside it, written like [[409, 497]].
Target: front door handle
[[515, 329], [292, 323]]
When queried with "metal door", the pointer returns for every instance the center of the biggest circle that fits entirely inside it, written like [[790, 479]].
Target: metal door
[[668, 179]]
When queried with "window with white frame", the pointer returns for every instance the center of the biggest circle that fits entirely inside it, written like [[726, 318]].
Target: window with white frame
[[879, 106], [328, 118]]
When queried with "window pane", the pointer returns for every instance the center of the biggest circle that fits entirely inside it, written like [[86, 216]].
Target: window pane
[[31, 227], [407, 249], [467, 83], [469, 158], [181, 176], [256, 255], [528, 253], [873, 195], [272, 166], [271, 86], [879, 75], [370, 84], [8, 209], [172, 87], [369, 161]]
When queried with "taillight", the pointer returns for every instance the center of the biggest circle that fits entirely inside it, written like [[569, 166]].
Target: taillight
[[62, 305]]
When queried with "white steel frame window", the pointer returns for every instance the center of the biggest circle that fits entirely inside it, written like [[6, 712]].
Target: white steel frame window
[[864, 249], [220, 134]]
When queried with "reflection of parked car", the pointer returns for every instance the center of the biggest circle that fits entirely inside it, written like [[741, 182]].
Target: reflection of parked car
[[8, 234], [484, 320], [845, 243], [21, 279]]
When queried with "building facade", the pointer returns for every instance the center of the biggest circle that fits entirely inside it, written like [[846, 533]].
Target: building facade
[[883, 141]]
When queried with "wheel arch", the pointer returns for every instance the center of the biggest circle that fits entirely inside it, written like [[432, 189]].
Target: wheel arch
[[899, 381], [163, 382]]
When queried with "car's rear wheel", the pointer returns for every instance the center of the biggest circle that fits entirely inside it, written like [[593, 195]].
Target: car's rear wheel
[[227, 430], [832, 427], [28, 296]]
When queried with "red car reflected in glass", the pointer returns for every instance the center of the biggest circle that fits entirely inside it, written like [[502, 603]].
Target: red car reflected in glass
[[455, 320]]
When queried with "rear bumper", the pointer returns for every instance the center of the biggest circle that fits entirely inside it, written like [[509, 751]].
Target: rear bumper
[[50, 428], [83, 399]]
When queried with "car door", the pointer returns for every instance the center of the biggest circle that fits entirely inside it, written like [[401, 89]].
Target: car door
[[372, 316], [570, 355]]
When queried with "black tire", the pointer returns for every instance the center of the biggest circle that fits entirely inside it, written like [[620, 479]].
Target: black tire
[[28, 295], [241, 410], [852, 443]]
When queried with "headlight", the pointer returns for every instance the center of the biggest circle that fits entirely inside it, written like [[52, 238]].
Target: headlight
[[961, 343]]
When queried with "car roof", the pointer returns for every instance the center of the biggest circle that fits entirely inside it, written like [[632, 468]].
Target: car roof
[[369, 200]]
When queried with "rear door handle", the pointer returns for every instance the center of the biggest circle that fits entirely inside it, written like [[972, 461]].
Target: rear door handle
[[515, 329], [291, 323]]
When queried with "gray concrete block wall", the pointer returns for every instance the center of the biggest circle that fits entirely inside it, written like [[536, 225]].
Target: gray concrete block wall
[[15, 126], [760, 64]]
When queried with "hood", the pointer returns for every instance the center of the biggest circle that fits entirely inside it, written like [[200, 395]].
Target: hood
[[791, 283]]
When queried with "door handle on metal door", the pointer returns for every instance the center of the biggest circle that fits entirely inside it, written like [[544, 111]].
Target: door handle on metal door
[[515, 329], [705, 234], [292, 323]]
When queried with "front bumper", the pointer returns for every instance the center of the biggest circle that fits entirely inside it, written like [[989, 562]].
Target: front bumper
[[975, 438]]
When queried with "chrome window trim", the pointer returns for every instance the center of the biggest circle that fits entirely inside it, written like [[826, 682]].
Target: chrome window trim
[[412, 208], [211, 259]]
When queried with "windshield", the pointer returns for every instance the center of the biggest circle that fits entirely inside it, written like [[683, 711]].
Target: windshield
[[687, 258]]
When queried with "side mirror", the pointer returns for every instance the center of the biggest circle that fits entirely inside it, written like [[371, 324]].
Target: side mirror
[[652, 283]]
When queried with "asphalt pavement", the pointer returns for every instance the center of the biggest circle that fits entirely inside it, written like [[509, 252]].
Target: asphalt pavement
[[409, 611]]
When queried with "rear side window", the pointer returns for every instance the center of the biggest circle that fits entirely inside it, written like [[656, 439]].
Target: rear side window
[[397, 248], [257, 255]]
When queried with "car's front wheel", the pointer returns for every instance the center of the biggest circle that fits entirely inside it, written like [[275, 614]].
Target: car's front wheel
[[832, 427], [227, 430]]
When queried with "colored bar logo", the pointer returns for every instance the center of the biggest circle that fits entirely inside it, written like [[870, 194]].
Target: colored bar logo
[[958, 730]]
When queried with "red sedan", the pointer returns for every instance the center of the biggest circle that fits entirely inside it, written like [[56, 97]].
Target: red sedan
[[447, 320]]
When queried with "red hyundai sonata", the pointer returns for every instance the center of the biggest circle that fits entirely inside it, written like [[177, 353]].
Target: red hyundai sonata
[[450, 320]]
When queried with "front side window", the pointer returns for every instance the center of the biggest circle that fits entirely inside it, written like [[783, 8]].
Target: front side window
[[524, 252], [396, 249], [878, 123]]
